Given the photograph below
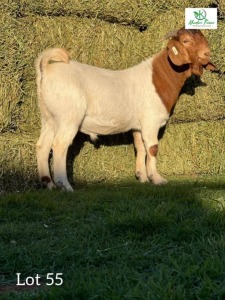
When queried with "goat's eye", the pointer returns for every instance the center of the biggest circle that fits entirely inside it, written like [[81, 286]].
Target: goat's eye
[[186, 41]]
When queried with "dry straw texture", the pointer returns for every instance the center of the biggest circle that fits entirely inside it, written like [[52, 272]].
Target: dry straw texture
[[129, 12], [186, 149], [107, 34], [10, 74], [101, 44]]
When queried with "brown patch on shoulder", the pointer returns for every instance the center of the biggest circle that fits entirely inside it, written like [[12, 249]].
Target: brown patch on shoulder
[[153, 150]]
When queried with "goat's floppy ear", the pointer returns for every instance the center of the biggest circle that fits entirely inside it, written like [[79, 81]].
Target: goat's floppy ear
[[177, 53]]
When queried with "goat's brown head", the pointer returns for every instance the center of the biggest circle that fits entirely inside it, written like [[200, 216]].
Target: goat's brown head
[[190, 47]]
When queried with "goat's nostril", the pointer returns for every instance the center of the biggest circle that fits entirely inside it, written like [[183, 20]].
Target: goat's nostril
[[207, 53]]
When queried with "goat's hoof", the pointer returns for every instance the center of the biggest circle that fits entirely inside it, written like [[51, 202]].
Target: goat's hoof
[[51, 186], [68, 188], [142, 178], [65, 187], [159, 180], [46, 182]]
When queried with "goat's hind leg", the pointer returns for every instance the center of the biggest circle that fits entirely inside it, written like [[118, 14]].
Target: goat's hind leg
[[63, 139], [43, 148]]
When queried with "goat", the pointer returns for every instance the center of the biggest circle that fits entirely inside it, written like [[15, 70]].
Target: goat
[[78, 97]]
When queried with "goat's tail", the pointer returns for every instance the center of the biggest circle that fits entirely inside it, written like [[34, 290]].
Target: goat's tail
[[54, 55]]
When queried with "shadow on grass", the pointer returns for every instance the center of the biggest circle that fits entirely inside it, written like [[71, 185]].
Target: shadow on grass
[[114, 239]]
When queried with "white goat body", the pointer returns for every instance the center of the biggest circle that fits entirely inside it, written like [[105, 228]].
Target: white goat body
[[74, 96], [113, 101]]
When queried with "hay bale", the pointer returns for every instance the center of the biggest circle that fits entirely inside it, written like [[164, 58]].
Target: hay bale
[[111, 161], [221, 8], [193, 148], [10, 94], [202, 99], [17, 162], [187, 149], [10, 75], [10, 7], [217, 44], [119, 11], [127, 12]]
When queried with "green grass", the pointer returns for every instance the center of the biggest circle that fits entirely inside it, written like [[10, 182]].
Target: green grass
[[117, 241]]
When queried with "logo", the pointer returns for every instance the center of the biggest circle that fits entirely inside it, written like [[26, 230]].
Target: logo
[[201, 18], [200, 15]]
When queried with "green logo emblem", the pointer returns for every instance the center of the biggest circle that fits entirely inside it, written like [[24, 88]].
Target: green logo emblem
[[200, 15]]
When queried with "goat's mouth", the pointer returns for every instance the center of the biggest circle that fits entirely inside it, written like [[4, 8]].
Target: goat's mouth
[[203, 60]]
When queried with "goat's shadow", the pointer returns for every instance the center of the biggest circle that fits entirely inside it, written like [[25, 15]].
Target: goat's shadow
[[81, 139], [124, 138], [191, 84]]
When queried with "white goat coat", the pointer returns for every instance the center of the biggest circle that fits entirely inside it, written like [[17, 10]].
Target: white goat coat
[[110, 101]]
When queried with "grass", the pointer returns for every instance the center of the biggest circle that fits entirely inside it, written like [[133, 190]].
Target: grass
[[117, 241]]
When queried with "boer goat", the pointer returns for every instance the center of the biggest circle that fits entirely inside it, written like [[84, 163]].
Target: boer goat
[[77, 97]]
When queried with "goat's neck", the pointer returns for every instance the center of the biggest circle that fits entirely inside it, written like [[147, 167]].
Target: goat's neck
[[168, 79]]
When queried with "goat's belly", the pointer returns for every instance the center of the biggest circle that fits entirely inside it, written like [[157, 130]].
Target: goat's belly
[[104, 127]]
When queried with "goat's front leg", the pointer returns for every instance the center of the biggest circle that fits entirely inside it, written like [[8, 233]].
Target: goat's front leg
[[140, 169], [150, 138]]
